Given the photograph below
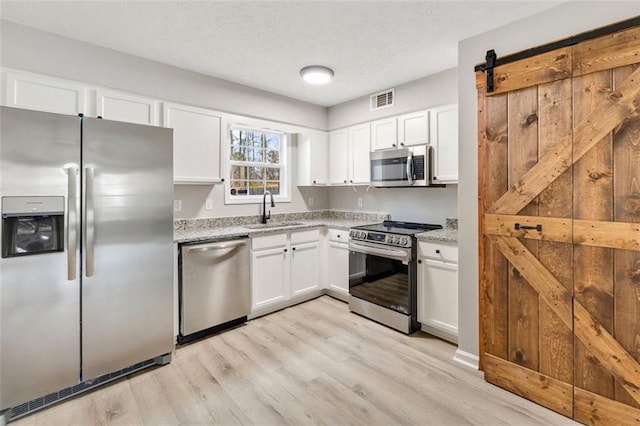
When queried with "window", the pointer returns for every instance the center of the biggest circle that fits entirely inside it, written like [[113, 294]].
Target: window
[[257, 160]]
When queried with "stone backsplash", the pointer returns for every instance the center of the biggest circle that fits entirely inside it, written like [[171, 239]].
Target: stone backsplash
[[214, 222]]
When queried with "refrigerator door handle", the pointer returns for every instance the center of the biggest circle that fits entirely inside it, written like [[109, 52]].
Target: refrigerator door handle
[[89, 221], [72, 221]]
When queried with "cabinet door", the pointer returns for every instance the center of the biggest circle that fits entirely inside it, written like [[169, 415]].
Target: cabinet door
[[444, 139], [338, 261], [312, 159], [118, 106], [269, 277], [360, 147], [438, 297], [413, 129], [305, 268], [196, 143], [45, 94], [338, 157], [384, 134]]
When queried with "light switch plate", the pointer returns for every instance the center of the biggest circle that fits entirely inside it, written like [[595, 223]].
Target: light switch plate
[[310, 201], [359, 201], [208, 205], [177, 205]]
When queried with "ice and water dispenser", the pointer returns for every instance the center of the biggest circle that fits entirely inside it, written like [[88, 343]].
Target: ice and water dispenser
[[32, 225]]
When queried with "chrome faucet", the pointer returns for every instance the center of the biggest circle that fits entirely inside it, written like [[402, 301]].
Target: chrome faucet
[[266, 215]]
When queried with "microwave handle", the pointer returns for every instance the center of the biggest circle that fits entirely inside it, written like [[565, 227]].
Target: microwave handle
[[410, 168]]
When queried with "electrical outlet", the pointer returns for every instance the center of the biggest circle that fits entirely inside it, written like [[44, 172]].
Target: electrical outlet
[[359, 201], [310, 201], [208, 205], [177, 205]]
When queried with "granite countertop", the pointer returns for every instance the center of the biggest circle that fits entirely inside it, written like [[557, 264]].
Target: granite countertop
[[225, 228], [447, 235]]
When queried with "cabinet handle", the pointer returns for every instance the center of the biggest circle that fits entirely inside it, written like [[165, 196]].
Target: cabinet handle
[[437, 251], [419, 260], [435, 178], [293, 248], [402, 144], [338, 236], [393, 145], [285, 250], [345, 181], [314, 181], [351, 181]]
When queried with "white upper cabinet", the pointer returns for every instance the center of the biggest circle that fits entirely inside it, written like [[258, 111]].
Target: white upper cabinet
[[196, 143], [444, 139], [339, 157], [45, 94], [413, 129], [313, 151], [349, 155], [120, 106], [384, 134], [359, 149]]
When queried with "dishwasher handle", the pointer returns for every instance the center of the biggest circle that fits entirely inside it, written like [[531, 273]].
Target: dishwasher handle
[[217, 246]]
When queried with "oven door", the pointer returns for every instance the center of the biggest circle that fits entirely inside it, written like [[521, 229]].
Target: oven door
[[381, 275]]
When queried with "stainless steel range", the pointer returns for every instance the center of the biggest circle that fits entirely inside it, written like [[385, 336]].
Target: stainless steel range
[[383, 268]]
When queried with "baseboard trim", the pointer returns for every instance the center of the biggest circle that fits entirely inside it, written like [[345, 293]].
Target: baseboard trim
[[466, 358]]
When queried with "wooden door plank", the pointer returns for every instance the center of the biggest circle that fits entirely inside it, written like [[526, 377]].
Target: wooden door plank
[[545, 284], [530, 384], [482, 179], [556, 121], [600, 233], [593, 200], [610, 51], [616, 108], [588, 330], [494, 182], [523, 154], [607, 350], [626, 177], [554, 229], [529, 72], [593, 409]]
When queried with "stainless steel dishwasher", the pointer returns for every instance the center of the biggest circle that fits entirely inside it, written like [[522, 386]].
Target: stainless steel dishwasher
[[215, 287]]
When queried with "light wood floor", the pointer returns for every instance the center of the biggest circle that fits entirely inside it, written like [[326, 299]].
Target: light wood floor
[[315, 363]]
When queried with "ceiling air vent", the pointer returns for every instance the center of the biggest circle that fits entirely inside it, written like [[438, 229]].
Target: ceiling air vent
[[382, 99]]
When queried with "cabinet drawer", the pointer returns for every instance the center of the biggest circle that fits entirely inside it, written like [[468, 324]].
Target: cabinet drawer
[[440, 251], [338, 235], [268, 241], [298, 237]]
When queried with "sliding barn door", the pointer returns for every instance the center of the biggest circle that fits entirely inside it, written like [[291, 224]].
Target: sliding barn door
[[559, 171]]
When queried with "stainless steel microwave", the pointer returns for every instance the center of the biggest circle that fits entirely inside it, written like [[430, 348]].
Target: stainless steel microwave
[[402, 167]]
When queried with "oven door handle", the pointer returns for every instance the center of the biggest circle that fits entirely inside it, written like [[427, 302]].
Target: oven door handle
[[388, 253]]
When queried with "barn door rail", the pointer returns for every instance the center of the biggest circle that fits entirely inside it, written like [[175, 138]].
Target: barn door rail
[[492, 61]]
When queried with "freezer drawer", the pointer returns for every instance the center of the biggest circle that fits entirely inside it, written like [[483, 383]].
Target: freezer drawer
[[215, 286]]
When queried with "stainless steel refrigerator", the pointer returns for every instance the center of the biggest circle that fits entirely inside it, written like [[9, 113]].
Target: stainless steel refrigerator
[[86, 274]]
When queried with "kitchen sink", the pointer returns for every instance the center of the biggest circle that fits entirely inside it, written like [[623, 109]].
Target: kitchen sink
[[273, 225]]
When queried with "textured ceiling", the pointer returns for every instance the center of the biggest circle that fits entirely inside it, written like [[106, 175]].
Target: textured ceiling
[[371, 45]]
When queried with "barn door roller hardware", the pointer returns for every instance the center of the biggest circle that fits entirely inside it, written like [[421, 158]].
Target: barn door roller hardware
[[490, 63], [492, 60]]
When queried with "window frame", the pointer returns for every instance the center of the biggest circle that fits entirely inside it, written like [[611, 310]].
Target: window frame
[[285, 170]]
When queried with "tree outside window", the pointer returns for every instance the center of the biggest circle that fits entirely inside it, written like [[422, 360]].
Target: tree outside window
[[255, 161]]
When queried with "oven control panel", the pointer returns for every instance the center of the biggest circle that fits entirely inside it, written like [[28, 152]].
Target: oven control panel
[[381, 237]]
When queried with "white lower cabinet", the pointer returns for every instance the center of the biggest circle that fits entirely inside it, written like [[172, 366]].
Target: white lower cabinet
[[285, 267], [438, 289], [338, 263]]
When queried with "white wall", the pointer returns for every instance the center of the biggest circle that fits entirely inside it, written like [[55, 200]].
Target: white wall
[[27, 49], [425, 205], [554, 24], [426, 92]]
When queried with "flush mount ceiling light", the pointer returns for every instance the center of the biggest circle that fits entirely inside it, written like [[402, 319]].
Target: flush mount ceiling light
[[316, 74]]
